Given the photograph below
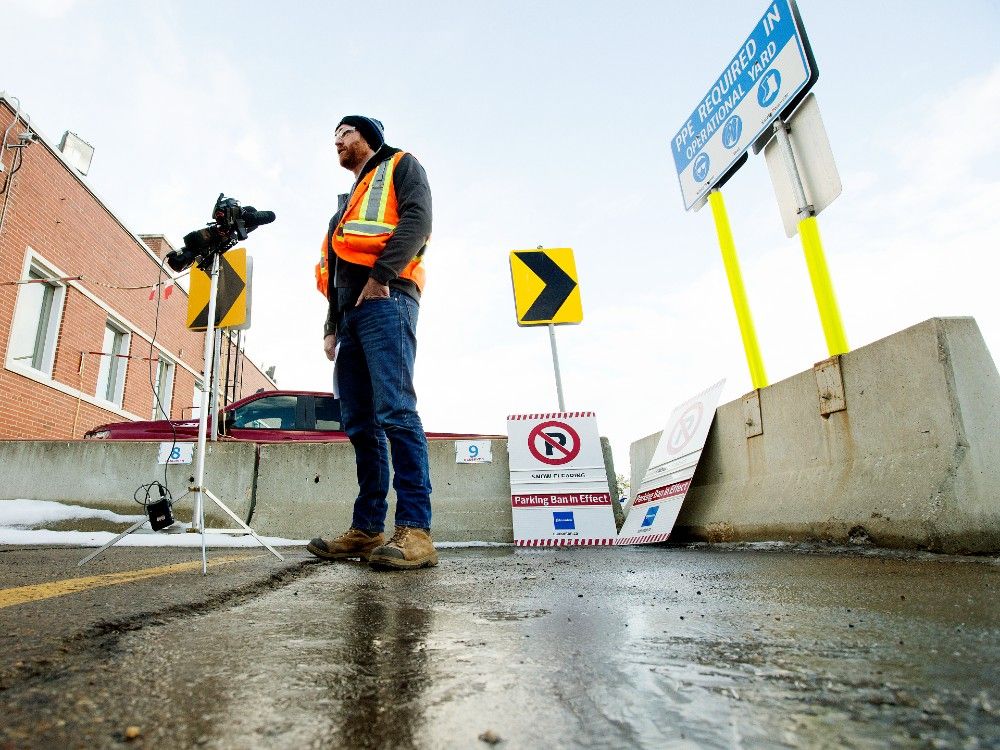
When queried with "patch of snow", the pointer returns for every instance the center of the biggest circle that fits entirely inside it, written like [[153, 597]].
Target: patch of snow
[[19, 519], [28, 513], [141, 538]]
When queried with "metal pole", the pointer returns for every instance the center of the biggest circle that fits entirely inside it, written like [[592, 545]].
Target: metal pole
[[198, 514], [555, 365], [785, 143], [819, 274], [732, 264], [229, 363], [214, 396], [242, 359]]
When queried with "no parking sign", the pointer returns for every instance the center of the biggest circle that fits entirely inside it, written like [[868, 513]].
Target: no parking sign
[[654, 511], [554, 443], [558, 482]]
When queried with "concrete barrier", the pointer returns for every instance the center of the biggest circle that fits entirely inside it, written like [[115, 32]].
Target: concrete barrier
[[306, 490], [106, 473], [292, 490], [913, 461], [640, 453]]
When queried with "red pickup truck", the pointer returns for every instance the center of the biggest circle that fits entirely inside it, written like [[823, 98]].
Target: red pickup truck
[[265, 417]]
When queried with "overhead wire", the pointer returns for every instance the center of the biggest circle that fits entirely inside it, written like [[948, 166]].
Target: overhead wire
[[81, 277]]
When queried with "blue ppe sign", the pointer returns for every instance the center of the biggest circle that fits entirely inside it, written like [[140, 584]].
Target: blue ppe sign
[[772, 70]]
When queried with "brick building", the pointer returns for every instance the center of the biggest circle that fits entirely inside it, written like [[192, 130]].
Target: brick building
[[78, 305]]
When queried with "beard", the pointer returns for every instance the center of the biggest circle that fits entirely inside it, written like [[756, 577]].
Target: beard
[[354, 156]]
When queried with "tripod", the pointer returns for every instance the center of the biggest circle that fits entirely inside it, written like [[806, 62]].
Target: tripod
[[198, 488]]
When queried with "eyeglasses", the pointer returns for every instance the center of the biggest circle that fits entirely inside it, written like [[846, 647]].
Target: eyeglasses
[[342, 134]]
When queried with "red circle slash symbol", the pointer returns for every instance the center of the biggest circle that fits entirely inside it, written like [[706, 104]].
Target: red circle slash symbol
[[554, 443], [685, 428]]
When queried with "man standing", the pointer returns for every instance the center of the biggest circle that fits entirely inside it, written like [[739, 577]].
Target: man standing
[[371, 271]]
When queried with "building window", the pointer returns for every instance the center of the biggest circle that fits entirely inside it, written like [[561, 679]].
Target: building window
[[196, 399], [164, 389], [36, 322], [114, 362]]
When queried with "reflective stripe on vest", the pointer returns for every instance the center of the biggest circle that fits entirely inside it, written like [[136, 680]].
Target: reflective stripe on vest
[[369, 228], [373, 205]]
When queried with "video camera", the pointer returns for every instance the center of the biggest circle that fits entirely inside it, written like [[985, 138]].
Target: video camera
[[231, 224]]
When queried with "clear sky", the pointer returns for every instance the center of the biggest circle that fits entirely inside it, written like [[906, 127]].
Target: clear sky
[[542, 124]]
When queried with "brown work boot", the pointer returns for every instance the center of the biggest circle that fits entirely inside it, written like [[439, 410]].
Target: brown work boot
[[408, 548], [354, 543]]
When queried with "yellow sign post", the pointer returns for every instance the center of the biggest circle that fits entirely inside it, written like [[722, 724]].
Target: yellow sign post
[[826, 300], [819, 274], [231, 300], [732, 264]]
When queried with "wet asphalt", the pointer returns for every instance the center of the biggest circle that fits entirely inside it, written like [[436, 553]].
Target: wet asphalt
[[700, 647]]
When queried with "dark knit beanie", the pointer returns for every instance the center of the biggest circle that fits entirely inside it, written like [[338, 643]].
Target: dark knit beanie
[[369, 128]]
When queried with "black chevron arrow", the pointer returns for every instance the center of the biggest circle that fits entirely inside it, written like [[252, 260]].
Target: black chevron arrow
[[230, 287], [558, 286]]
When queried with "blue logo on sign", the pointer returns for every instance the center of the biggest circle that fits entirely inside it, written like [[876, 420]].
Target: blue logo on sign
[[701, 167], [732, 131], [770, 84], [563, 521], [650, 517]]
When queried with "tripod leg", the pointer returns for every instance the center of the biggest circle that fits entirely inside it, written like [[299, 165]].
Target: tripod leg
[[113, 542], [204, 554], [232, 515]]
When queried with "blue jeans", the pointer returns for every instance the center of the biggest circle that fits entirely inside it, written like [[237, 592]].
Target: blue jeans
[[378, 405]]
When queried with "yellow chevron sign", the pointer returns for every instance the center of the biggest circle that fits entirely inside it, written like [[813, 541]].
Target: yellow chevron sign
[[546, 289], [231, 309]]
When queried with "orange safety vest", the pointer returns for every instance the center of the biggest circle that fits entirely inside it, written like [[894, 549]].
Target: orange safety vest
[[365, 226]]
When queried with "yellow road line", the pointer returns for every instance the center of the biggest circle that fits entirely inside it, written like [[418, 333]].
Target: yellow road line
[[37, 592]]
